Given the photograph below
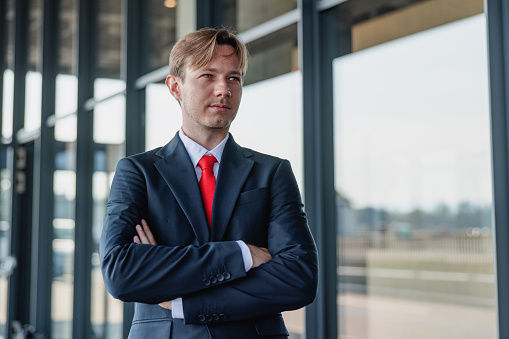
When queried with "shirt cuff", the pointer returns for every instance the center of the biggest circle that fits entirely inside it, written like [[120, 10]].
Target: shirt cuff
[[246, 255], [177, 309]]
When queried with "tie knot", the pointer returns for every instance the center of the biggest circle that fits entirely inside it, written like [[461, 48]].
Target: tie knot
[[207, 162]]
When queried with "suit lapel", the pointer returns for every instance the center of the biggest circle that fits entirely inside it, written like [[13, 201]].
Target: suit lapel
[[233, 172], [178, 172]]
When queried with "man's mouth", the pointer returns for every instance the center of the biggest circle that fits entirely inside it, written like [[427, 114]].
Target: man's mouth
[[220, 107]]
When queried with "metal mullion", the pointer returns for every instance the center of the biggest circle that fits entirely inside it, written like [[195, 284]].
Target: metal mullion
[[316, 64], [19, 281], [86, 61], [134, 30], [204, 12], [498, 48], [43, 174]]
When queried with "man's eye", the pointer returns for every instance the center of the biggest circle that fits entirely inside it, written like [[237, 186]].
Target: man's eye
[[207, 75], [234, 78]]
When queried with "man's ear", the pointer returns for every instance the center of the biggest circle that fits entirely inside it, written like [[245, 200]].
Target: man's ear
[[174, 84]]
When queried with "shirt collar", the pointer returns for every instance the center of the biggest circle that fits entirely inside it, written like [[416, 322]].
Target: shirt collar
[[197, 151]]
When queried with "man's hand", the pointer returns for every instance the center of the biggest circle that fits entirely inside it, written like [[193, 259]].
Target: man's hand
[[260, 255], [145, 236]]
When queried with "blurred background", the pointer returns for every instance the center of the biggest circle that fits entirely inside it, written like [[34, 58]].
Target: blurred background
[[383, 107]]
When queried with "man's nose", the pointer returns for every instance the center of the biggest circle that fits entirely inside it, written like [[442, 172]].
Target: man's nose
[[222, 88]]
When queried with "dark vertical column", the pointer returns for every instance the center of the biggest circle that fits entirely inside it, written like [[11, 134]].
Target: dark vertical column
[[86, 54], [498, 50], [321, 316], [43, 174], [134, 31], [19, 282], [204, 9]]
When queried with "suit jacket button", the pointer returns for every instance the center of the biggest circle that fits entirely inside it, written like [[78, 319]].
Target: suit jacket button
[[206, 282], [213, 279], [208, 317], [223, 316], [215, 317], [201, 318], [227, 275], [220, 277]]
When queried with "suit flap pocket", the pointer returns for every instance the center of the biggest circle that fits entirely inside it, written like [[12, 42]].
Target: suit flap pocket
[[271, 325], [253, 195]]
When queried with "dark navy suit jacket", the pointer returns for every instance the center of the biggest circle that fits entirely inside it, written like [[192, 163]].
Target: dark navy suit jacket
[[256, 200]]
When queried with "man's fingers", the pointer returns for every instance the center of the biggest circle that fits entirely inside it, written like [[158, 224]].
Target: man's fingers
[[166, 304], [148, 233], [260, 255], [137, 239], [142, 236]]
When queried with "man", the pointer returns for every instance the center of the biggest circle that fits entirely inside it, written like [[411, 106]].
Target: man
[[224, 245]]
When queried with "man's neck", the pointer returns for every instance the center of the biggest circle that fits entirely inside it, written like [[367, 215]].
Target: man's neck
[[208, 139]]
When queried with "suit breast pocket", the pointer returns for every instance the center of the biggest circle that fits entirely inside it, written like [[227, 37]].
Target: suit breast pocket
[[253, 196]]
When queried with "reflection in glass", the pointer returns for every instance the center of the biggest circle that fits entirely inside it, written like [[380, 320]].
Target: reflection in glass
[[413, 186]]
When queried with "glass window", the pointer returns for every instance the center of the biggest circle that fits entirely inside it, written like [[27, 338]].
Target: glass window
[[7, 103], [163, 31], [413, 181], [109, 121], [109, 138], [246, 14], [164, 117], [64, 187], [7, 97], [273, 55], [64, 177], [33, 95], [108, 53], [106, 312]]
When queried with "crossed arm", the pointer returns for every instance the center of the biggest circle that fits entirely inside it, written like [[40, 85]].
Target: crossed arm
[[259, 255]]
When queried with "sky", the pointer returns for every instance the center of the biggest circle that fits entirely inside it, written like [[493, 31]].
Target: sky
[[412, 120]]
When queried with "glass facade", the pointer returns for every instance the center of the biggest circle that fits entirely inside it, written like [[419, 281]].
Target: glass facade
[[402, 140], [413, 182]]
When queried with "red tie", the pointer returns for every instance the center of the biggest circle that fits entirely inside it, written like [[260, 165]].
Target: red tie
[[207, 183]]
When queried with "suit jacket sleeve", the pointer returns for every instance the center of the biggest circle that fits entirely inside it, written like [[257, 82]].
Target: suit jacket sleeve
[[147, 273], [287, 282]]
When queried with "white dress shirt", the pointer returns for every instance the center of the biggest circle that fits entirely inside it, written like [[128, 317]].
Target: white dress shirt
[[196, 152]]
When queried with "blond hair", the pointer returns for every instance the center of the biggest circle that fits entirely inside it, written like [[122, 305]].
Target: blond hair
[[198, 48]]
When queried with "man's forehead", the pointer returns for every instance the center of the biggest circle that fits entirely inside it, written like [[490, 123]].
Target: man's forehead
[[194, 66]]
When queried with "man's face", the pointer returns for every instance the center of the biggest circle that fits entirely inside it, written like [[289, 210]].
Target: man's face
[[210, 95]]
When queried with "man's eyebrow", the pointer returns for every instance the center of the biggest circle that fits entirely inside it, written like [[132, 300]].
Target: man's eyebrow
[[216, 70]]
